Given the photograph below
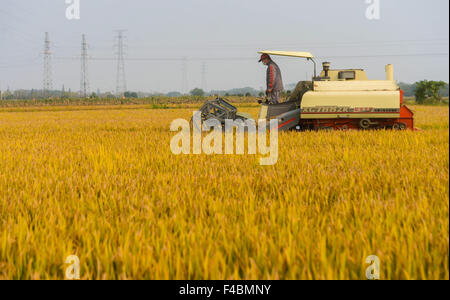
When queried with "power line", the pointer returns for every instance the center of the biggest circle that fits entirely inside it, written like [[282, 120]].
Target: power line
[[14, 19], [328, 44], [121, 82], [48, 85], [333, 43], [184, 76], [84, 84], [386, 55], [185, 59], [22, 63]]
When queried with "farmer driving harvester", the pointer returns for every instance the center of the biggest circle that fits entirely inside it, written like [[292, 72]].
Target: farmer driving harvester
[[274, 79]]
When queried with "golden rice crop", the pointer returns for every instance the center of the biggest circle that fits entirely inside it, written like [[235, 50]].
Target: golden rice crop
[[101, 183]]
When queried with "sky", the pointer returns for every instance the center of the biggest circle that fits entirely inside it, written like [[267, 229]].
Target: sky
[[219, 40]]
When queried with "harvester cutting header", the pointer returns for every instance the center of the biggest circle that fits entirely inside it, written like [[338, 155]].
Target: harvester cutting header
[[336, 100]]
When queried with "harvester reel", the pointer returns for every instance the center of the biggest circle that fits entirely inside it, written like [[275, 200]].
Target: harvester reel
[[196, 124], [219, 110]]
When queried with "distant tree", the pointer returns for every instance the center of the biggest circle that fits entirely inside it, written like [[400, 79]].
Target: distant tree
[[227, 95], [261, 94], [131, 95], [445, 91], [197, 92], [286, 94], [94, 96], [248, 94], [174, 94], [429, 91], [409, 89]]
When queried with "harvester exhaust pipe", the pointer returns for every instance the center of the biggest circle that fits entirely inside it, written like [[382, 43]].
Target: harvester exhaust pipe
[[326, 68], [390, 72]]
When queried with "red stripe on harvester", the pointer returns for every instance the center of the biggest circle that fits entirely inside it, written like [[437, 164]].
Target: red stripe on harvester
[[285, 123], [347, 113]]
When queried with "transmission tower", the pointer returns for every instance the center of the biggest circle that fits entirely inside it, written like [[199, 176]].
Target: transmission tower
[[184, 76], [204, 87], [84, 84], [48, 85], [121, 83]]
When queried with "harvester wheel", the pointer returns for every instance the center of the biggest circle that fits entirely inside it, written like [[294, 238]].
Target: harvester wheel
[[365, 123], [399, 126]]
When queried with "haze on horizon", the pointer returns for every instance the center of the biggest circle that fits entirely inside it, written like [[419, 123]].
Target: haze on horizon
[[223, 35]]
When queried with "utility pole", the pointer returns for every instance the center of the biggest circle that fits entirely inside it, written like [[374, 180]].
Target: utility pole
[[84, 84], [184, 76], [121, 82], [47, 67], [204, 86]]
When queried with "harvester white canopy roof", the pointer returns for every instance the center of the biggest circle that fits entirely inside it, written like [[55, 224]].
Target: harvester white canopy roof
[[288, 53]]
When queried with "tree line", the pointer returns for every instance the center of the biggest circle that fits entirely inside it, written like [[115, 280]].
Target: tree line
[[424, 91]]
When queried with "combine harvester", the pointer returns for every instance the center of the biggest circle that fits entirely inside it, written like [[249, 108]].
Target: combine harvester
[[335, 100]]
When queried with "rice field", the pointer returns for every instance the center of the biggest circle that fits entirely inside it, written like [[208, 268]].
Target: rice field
[[101, 183]]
